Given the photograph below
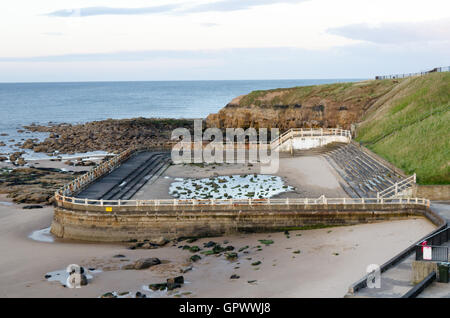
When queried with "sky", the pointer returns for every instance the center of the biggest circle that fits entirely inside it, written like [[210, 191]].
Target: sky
[[118, 40]]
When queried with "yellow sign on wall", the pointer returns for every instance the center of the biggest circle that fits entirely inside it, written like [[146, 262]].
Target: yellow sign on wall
[[108, 209]]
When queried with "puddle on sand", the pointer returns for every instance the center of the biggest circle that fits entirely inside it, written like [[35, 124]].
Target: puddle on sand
[[6, 203], [43, 235]]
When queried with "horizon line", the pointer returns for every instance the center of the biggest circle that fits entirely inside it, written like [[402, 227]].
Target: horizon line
[[191, 80]]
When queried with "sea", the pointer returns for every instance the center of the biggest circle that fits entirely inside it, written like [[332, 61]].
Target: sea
[[79, 102]]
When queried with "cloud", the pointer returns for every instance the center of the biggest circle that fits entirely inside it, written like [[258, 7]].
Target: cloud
[[222, 5], [394, 33], [209, 24], [93, 11], [234, 5]]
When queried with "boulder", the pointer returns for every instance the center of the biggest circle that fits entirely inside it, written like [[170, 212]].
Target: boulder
[[145, 263], [161, 241], [195, 258]]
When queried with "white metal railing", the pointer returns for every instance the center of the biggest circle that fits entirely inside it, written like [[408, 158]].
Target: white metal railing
[[66, 193], [104, 168], [312, 132], [397, 188], [322, 200]]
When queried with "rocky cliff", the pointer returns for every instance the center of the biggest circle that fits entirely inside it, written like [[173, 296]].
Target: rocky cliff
[[331, 105]]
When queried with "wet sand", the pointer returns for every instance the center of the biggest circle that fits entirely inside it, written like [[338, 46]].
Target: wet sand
[[329, 261]]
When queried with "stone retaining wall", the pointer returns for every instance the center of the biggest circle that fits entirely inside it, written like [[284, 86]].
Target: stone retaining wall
[[432, 192], [92, 223]]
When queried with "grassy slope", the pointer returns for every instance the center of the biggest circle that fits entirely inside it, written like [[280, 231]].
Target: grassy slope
[[360, 92], [410, 127]]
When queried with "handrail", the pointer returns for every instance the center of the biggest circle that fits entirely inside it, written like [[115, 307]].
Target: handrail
[[397, 187], [67, 192], [311, 132], [322, 200]]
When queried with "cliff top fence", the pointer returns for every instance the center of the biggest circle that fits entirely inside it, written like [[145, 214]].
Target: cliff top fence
[[405, 75]]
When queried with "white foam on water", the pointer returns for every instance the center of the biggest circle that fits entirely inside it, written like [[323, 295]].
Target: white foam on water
[[43, 235], [250, 186]]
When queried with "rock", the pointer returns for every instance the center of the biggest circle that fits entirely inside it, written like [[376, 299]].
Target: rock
[[35, 206], [108, 295], [140, 295], [84, 280], [149, 246], [256, 263], [252, 281], [194, 249], [128, 267], [186, 269], [2, 144], [155, 287], [234, 276], [161, 241], [3, 158], [119, 256], [145, 263], [209, 244], [47, 276], [195, 258], [175, 282], [231, 256], [173, 286]]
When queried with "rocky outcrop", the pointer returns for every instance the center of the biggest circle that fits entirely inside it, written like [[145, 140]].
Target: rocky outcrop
[[33, 185], [107, 135], [331, 105]]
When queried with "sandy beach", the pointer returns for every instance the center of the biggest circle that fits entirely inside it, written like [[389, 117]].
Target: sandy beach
[[328, 261]]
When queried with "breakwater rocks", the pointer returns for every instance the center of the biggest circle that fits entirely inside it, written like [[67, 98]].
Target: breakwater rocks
[[106, 135], [331, 105]]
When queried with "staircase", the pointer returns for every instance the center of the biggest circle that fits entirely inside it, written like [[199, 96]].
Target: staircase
[[129, 178], [365, 175]]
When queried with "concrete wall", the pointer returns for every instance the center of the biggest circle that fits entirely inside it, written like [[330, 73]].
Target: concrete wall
[[301, 143], [147, 222], [432, 192], [421, 269]]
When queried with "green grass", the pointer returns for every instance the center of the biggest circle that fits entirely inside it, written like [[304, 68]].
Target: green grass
[[361, 92], [412, 129]]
